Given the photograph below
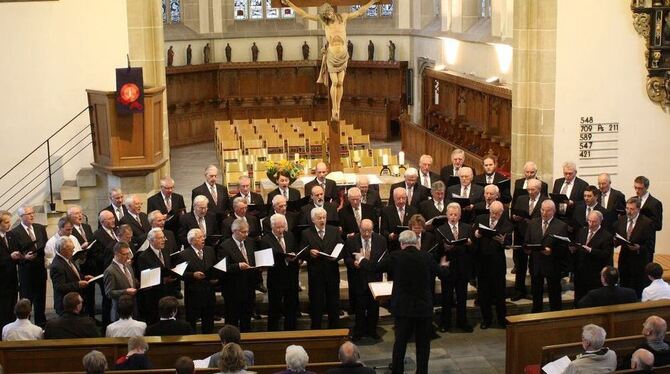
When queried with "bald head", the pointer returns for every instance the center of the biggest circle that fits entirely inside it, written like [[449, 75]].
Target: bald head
[[654, 328], [642, 360], [321, 171]]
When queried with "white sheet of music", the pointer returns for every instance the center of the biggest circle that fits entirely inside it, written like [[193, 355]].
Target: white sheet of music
[[336, 251], [150, 278], [221, 265], [264, 258], [180, 269], [144, 246], [381, 289], [558, 366]]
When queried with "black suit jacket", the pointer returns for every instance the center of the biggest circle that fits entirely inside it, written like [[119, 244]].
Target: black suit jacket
[[293, 195], [169, 327], [543, 265], [257, 207], [588, 265], [579, 216], [631, 262], [199, 291], [448, 171], [505, 195], [156, 202], [390, 220], [608, 295], [331, 193], [616, 202], [488, 253], [284, 274], [372, 198], [147, 259], [291, 220], [218, 207], [306, 213], [520, 227], [419, 193], [476, 196], [577, 193], [361, 277], [71, 326], [653, 208], [140, 229], [101, 253], [24, 244], [254, 226], [321, 268], [188, 222], [109, 208], [8, 274], [460, 256], [64, 280], [357, 368], [87, 230], [237, 283], [434, 177], [348, 219], [520, 191]]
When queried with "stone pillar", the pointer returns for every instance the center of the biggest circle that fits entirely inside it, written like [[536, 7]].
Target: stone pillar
[[534, 86], [147, 50]]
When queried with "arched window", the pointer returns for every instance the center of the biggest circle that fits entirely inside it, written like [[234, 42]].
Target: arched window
[[171, 11], [382, 10], [258, 10]]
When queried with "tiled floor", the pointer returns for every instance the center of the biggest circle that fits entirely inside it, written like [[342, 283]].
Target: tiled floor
[[480, 352]]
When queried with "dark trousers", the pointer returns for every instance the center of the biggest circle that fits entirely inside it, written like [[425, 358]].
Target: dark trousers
[[352, 294], [33, 286], [521, 263], [239, 307], [422, 328], [196, 308], [324, 295], [456, 283], [106, 303], [367, 313], [553, 288], [7, 302], [282, 301], [491, 287]]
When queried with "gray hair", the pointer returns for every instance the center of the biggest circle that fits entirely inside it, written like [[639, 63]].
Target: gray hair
[[535, 183], [355, 191], [465, 169], [296, 358], [570, 165], [200, 199], [276, 218], [153, 215], [128, 201], [72, 209], [238, 200], [210, 167], [594, 335], [137, 342], [316, 211], [349, 352], [493, 187], [191, 235], [453, 206], [151, 235], [407, 237], [62, 242], [530, 164], [597, 214], [276, 198], [239, 223], [115, 189], [549, 203], [426, 158], [22, 210], [94, 362], [457, 151], [438, 186], [411, 172], [165, 180]]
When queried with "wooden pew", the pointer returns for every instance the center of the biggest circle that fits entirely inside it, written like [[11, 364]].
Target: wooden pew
[[65, 354], [527, 333]]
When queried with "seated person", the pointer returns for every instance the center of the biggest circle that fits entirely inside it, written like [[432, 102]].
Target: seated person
[[229, 334], [71, 324], [94, 362], [136, 358], [658, 289], [232, 359], [169, 324], [596, 358], [654, 329], [609, 293], [184, 365], [125, 326], [296, 360], [642, 361], [22, 328], [350, 361]]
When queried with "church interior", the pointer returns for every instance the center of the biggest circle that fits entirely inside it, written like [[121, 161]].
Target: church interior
[[233, 83]]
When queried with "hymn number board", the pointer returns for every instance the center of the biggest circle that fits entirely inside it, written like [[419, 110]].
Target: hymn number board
[[598, 147]]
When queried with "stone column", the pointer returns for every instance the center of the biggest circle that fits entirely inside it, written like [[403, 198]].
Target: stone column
[[534, 86]]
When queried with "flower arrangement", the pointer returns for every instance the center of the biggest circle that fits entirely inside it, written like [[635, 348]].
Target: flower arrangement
[[293, 168]]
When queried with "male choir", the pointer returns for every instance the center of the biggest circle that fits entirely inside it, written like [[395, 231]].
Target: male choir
[[464, 223]]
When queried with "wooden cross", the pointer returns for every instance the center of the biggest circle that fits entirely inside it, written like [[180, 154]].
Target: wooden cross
[[308, 3]]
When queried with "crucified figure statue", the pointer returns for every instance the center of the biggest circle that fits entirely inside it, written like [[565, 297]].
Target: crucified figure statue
[[334, 64]]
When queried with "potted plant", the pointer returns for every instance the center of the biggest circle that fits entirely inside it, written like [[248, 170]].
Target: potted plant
[[292, 168]]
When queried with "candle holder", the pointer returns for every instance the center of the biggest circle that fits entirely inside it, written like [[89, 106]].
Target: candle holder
[[385, 170]]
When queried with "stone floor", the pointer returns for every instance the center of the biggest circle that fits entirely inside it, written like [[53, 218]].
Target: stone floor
[[482, 351]]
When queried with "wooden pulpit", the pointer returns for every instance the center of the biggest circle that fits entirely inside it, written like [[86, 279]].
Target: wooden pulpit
[[127, 145]]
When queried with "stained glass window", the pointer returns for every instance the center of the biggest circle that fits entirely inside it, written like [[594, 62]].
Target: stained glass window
[[384, 10], [287, 13], [271, 13], [256, 9], [372, 12], [260, 9], [387, 10], [171, 11], [241, 9], [485, 8]]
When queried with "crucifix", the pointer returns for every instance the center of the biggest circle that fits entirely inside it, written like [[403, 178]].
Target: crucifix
[[335, 58]]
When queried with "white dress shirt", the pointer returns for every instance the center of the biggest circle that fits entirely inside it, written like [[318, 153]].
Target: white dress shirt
[[125, 328], [21, 329], [50, 248], [657, 290]]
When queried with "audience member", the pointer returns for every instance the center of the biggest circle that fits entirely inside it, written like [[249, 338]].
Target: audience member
[[168, 324], [22, 328], [596, 358], [658, 289], [71, 324], [94, 362], [136, 358], [126, 326], [296, 361], [609, 293], [184, 365], [232, 359], [654, 329], [230, 334], [642, 361], [350, 361]]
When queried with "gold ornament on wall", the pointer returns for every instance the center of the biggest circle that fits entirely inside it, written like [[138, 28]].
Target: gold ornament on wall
[[653, 24]]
